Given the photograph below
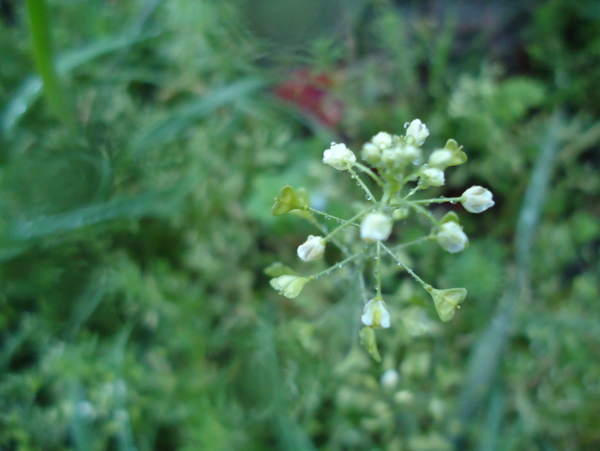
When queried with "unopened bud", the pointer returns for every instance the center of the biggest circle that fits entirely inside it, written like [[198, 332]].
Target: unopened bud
[[312, 249], [376, 227], [339, 156], [451, 237], [477, 199]]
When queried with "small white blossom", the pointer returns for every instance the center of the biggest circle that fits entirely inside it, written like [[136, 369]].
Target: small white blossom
[[376, 227], [451, 237], [312, 249], [389, 379], [376, 314], [411, 153], [392, 157], [441, 158], [382, 140], [403, 397], [477, 199], [418, 131], [400, 155], [432, 177], [371, 153], [339, 156]]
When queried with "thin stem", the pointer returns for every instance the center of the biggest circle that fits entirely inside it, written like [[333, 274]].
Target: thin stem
[[336, 266], [362, 185], [346, 224], [378, 268], [439, 200], [411, 192], [370, 173], [413, 242], [424, 212], [328, 216], [334, 240], [425, 285]]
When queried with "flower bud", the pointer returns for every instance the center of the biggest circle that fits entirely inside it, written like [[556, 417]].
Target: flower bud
[[417, 132], [447, 301], [375, 314], [312, 249], [389, 379], [382, 140], [432, 177], [376, 227], [289, 286], [371, 153], [477, 199], [339, 156], [441, 158], [451, 237], [400, 213]]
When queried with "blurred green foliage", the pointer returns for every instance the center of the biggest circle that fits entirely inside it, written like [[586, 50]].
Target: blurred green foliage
[[134, 312]]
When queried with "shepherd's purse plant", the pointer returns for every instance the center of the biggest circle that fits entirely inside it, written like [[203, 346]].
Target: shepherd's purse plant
[[398, 168]]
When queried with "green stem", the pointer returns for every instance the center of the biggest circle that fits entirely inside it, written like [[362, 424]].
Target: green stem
[[413, 242], [424, 212], [328, 216], [439, 200], [370, 172], [346, 224], [378, 268], [362, 185], [411, 192], [425, 285], [336, 266]]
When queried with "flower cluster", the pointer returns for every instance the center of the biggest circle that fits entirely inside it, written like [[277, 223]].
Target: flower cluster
[[399, 168]]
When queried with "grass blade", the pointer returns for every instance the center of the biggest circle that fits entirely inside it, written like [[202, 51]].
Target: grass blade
[[41, 37]]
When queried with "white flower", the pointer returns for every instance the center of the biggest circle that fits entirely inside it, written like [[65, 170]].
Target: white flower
[[371, 153], [411, 153], [382, 140], [477, 199], [418, 131], [339, 156], [376, 227], [432, 177], [390, 379], [441, 158], [289, 286], [451, 237], [376, 314], [312, 249], [398, 156]]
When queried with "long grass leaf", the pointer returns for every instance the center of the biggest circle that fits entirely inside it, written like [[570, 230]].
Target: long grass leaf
[[132, 207], [30, 89], [489, 350], [187, 115], [41, 37]]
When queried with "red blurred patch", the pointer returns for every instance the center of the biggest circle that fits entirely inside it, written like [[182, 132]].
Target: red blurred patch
[[311, 93]]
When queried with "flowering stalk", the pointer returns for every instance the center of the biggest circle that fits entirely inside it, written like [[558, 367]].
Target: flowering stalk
[[393, 162]]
